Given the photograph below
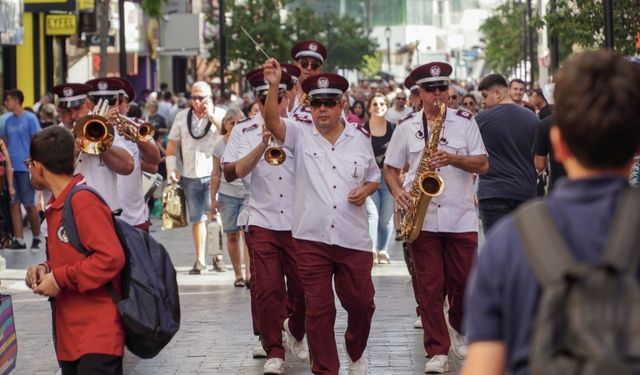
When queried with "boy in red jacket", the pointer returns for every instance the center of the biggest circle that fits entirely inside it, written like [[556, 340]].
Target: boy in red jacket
[[86, 341]]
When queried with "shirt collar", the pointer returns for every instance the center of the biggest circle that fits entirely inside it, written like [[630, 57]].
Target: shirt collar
[[57, 203], [590, 188]]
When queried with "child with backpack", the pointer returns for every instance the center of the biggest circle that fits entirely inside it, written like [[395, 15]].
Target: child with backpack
[[555, 288], [86, 342]]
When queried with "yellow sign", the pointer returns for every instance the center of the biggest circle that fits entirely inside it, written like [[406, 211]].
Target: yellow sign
[[61, 24], [86, 4]]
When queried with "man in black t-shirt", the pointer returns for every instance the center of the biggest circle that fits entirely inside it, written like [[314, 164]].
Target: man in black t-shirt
[[542, 148], [508, 131]]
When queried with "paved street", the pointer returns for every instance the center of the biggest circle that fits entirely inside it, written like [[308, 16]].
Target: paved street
[[215, 335]]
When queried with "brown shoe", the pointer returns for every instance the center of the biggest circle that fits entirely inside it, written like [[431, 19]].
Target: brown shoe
[[198, 269], [218, 264]]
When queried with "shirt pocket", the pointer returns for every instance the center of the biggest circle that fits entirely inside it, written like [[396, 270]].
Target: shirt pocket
[[353, 170], [315, 162], [454, 146]]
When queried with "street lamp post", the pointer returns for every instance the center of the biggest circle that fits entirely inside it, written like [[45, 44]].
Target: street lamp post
[[608, 24], [387, 34], [222, 45]]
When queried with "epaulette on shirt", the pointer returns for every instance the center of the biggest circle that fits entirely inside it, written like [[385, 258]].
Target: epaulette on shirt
[[250, 128], [466, 114], [301, 118], [363, 130], [244, 120], [410, 115]]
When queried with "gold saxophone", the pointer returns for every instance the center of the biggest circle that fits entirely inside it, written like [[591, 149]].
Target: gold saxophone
[[426, 185]]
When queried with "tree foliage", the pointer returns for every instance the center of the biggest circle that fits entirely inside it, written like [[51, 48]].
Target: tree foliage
[[582, 22], [153, 8], [345, 38], [504, 37]]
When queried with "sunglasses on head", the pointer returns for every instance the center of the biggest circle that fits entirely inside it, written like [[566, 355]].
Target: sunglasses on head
[[263, 98], [441, 88], [304, 63], [329, 103]]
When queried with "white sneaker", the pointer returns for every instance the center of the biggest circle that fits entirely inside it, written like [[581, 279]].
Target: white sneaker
[[358, 367], [418, 323], [437, 365], [458, 343], [273, 366], [258, 351], [299, 349]]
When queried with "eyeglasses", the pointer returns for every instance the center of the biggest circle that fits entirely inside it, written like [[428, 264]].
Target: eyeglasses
[[381, 104], [305, 63], [28, 163], [263, 98], [432, 89], [199, 97], [329, 103]]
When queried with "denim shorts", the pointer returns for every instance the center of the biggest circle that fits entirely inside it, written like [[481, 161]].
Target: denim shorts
[[229, 208], [25, 193], [198, 197]]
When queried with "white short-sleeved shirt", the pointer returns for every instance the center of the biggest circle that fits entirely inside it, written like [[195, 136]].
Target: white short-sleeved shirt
[[233, 189], [134, 209], [325, 175], [271, 187], [196, 153], [99, 176], [452, 211], [230, 155]]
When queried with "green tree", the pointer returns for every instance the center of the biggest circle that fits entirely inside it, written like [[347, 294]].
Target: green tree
[[504, 37], [582, 22], [153, 8], [347, 43]]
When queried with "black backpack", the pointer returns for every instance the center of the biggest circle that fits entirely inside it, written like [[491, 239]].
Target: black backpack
[[149, 305], [588, 316]]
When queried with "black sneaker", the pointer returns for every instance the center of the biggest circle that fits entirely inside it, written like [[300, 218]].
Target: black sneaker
[[35, 244], [15, 245]]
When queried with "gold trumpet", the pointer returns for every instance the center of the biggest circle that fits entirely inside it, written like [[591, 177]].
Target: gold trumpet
[[134, 129], [95, 134], [274, 154]]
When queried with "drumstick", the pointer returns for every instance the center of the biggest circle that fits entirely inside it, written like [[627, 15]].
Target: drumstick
[[254, 42]]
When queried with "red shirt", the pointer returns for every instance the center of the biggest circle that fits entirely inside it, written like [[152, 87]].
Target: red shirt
[[86, 319]]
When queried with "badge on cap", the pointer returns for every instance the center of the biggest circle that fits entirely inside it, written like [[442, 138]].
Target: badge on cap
[[313, 47], [435, 71], [67, 92], [323, 82], [102, 86]]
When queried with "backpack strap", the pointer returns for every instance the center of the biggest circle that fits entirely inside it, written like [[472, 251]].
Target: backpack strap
[[547, 250], [69, 224], [622, 250]]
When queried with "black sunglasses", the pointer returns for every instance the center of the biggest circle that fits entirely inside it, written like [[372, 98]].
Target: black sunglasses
[[263, 98], [441, 88], [199, 98], [306, 63], [329, 103]]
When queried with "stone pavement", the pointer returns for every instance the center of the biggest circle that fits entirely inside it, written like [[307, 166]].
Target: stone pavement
[[215, 336]]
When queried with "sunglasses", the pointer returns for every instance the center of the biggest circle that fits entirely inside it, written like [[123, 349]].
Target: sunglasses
[[441, 88], [199, 97], [304, 63], [263, 98], [329, 103], [28, 163]]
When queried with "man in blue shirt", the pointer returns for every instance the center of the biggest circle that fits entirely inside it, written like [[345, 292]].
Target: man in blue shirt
[[17, 133], [596, 136]]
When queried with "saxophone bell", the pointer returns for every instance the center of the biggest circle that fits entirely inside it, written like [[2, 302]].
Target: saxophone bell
[[431, 183]]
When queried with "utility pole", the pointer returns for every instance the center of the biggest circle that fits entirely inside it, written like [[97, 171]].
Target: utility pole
[[529, 31], [122, 56], [103, 27], [223, 45], [608, 24]]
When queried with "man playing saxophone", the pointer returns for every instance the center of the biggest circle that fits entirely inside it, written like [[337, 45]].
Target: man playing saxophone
[[447, 239]]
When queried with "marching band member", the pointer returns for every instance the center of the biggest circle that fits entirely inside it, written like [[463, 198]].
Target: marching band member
[[195, 130], [72, 98], [308, 55], [336, 167], [443, 252], [146, 157], [273, 254]]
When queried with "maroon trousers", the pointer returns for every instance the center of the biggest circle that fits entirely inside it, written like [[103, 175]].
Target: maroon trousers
[[272, 259], [320, 265], [252, 289], [442, 261]]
